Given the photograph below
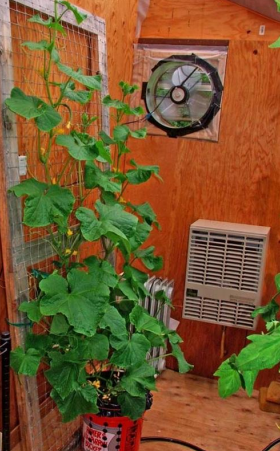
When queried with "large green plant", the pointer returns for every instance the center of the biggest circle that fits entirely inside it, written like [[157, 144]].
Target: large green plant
[[262, 353], [90, 313]]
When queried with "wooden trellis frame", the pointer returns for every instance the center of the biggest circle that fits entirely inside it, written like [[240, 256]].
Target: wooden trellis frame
[[18, 254]]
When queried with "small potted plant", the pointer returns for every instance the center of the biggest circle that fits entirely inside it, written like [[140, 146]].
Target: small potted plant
[[94, 336], [241, 371]]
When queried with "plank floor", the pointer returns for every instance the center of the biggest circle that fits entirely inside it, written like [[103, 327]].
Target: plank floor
[[189, 408]]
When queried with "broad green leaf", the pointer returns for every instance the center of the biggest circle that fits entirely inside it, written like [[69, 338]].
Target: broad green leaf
[[41, 343], [38, 19], [141, 133], [111, 103], [117, 217], [94, 348], [162, 297], [106, 138], [91, 227], [41, 45], [173, 337], [49, 23], [83, 301], [131, 352], [262, 353], [135, 274], [127, 88], [118, 341], [229, 378], [63, 377], [138, 379], [114, 321], [44, 203], [79, 16], [79, 147], [79, 96], [60, 325], [54, 284], [90, 81], [183, 365], [49, 118], [32, 309], [121, 133], [102, 270], [142, 233], [126, 289], [268, 312], [109, 198], [23, 105], [275, 44], [58, 27], [249, 380], [143, 321], [156, 340], [132, 406], [31, 107], [55, 55], [141, 174], [81, 401], [146, 212], [137, 280], [104, 153], [26, 363], [277, 281], [152, 262], [94, 177]]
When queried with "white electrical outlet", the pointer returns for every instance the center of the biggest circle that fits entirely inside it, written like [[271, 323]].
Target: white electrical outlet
[[22, 164], [262, 30]]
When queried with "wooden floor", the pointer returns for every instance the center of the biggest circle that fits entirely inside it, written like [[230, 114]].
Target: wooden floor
[[189, 408]]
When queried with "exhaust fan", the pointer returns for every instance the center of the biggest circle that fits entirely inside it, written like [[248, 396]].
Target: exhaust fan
[[183, 94], [225, 271]]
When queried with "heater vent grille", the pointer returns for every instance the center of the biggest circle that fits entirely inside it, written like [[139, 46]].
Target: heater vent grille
[[225, 272], [219, 311], [225, 260]]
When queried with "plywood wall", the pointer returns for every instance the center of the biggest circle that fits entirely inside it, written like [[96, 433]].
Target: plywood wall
[[120, 16], [237, 179]]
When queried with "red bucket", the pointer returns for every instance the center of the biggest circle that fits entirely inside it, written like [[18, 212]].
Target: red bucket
[[111, 434]]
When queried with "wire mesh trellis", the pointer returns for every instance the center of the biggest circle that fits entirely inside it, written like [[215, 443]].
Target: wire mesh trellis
[[82, 47]]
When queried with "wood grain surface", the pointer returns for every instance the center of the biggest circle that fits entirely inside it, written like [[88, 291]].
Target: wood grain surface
[[206, 19], [234, 180], [188, 408]]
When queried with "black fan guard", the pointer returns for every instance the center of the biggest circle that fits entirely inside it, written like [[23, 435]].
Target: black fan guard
[[213, 108]]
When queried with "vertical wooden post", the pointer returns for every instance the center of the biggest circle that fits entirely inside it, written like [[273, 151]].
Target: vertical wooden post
[[16, 279]]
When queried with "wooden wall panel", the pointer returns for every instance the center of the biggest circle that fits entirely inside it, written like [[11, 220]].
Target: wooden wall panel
[[120, 16], [205, 19], [236, 179]]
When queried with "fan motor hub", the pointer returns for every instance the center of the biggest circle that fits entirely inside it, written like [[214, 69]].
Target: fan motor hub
[[179, 94]]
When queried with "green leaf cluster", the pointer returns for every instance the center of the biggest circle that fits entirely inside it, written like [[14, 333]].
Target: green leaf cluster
[[263, 352], [89, 311]]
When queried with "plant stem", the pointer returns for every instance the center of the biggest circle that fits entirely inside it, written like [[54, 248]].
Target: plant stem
[[80, 182], [64, 168]]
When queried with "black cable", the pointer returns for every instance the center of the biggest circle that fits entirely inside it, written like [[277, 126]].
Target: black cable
[[271, 445], [194, 447], [172, 440]]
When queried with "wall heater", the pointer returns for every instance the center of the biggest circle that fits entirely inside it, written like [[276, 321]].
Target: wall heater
[[158, 310], [225, 271]]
